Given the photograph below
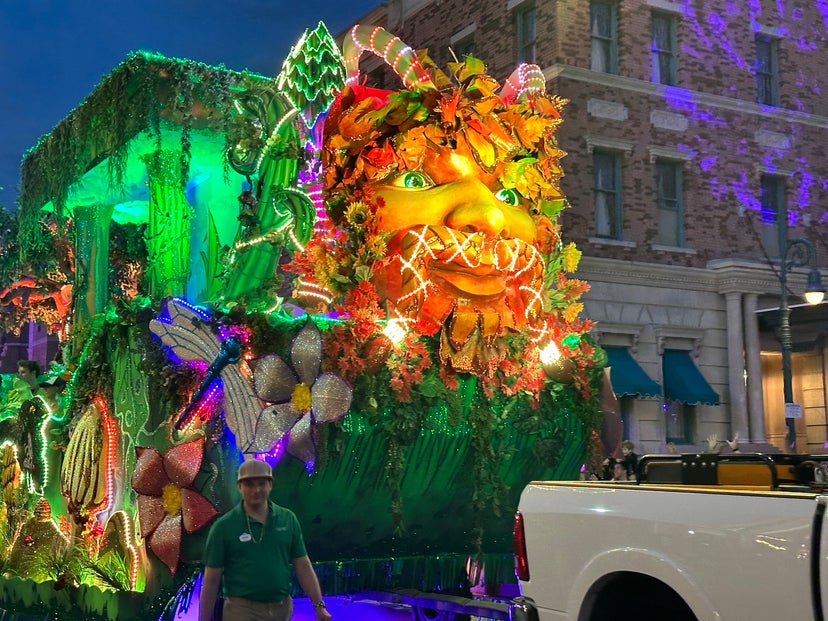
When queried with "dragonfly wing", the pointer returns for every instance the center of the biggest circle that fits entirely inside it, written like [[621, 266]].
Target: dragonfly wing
[[186, 344], [187, 333], [241, 406]]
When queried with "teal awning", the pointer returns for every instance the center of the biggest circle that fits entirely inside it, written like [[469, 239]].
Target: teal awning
[[626, 377], [683, 381]]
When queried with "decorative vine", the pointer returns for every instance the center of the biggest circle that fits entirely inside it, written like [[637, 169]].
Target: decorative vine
[[162, 92]]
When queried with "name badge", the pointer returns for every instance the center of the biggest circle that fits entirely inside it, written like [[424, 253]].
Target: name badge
[[245, 537]]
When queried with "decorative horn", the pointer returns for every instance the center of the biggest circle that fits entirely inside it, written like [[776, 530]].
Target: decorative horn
[[526, 81], [391, 49]]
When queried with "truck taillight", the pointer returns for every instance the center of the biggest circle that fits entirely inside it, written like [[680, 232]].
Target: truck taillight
[[519, 547]]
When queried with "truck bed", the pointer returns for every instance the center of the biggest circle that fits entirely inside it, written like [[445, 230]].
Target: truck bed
[[732, 538]]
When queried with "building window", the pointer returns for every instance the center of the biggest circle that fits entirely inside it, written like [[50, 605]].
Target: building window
[[463, 48], [607, 189], [680, 419], [670, 204], [603, 28], [664, 48], [525, 23], [767, 76], [773, 213], [625, 410]]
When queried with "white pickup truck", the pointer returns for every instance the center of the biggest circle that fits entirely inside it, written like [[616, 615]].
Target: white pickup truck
[[697, 538]]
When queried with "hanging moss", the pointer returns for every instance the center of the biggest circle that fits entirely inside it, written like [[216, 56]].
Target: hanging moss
[[9, 256], [145, 93]]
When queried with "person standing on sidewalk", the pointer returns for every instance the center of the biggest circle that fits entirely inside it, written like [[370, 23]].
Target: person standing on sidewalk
[[250, 553]]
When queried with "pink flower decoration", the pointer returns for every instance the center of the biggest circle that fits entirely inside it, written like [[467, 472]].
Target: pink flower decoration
[[166, 500]]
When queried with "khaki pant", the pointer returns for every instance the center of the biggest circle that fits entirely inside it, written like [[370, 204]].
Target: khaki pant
[[241, 609]]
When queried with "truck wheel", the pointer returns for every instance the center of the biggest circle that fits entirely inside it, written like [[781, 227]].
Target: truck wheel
[[634, 597]]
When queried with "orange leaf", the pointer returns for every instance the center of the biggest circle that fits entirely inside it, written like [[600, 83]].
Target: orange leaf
[[437, 308], [448, 107], [412, 154], [485, 85], [491, 325], [380, 157], [353, 123], [498, 134], [462, 326], [486, 106], [482, 150]]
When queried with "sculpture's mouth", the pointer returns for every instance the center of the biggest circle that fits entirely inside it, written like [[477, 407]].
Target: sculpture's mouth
[[479, 281]]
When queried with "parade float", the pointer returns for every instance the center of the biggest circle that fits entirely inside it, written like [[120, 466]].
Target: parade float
[[368, 289]]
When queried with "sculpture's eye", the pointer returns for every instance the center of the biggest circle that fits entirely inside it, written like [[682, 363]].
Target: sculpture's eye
[[510, 197], [412, 180]]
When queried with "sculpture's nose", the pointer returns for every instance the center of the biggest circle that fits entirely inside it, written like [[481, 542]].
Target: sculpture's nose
[[477, 210]]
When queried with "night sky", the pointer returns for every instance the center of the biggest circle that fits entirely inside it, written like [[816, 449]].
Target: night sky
[[54, 52]]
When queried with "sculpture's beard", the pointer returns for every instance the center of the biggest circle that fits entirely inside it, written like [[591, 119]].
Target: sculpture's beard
[[474, 287]]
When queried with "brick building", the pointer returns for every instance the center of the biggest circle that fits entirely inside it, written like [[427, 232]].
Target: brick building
[[33, 343], [696, 137]]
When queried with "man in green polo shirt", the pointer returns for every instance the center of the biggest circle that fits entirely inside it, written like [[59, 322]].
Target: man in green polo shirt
[[252, 549]]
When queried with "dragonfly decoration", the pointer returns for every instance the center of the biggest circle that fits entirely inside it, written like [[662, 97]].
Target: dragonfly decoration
[[186, 331], [230, 353], [264, 405]]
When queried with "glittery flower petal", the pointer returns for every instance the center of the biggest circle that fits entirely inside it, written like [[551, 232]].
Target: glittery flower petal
[[149, 477], [165, 542], [331, 398], [150, 513], [274, 422], [196, 510], [301, 443], [182, 461], [306, 353], [273, 379]]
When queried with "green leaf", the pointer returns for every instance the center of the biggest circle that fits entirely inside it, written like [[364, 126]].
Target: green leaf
[[552, 208], [431, 386], [362, 272], [470, 68], [513, 171]]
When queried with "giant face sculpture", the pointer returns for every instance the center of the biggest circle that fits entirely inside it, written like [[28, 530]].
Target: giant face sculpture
[[448, 194], [460, 255]]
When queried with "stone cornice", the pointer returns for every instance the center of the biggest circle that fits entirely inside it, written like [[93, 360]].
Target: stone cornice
[[633, 333], [720, 276], [599, 269], [667, 5], [691, 336], [675, 93], [742, 276]]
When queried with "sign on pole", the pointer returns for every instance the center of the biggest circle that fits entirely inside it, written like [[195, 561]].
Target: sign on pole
[[793, 410]]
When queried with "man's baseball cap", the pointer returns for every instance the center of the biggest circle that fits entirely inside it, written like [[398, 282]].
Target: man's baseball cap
[[255, 469]]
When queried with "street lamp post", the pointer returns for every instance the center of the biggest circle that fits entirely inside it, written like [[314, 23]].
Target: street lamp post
[[798, 253]]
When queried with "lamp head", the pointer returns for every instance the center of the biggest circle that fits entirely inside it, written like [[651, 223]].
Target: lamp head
[[814, 292]]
